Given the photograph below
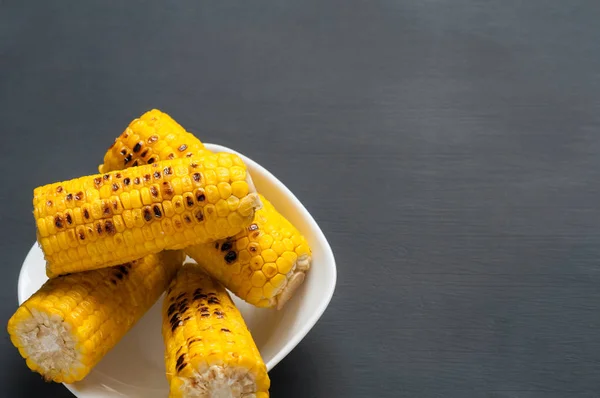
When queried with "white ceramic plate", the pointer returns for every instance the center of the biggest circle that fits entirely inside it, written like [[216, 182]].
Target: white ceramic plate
[[135, 368]]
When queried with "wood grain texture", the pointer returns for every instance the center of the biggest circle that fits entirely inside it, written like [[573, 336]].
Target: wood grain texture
[[449, 150]]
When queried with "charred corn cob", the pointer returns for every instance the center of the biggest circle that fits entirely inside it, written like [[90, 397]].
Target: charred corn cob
[[264, 264], [103, 220], [67, 326], [152, 137], [209, 352]]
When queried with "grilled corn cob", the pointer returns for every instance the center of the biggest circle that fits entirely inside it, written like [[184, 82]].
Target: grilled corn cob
[[67, 326], [103, 220], [264, 264], [209, 352], [152, 137]]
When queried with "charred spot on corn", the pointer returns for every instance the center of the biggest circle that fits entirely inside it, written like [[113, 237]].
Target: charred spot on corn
[[69, 219], [58, 221], [219, 314], [225, 330], [69, 196], [157, 174], [59, 189], [230, 257], [128, 158], [171, 310], [123, 151], [127, 181], [79, 195], [109, 227], [115, 186], [135, 163], [213, 300], [252, 227], [151, 160], [147, 177], [182, 148], [86, 213], [168, 171], [143, 154], [157, 212], [147, 213], [154, 191], [226, 246], [196, 177], [137, 147], [189, 201], [97, 181], [49, 203], [136, 180], [181, 364], [152, 139]]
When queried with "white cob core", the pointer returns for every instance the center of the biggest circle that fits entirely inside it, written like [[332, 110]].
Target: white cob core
[[47, 341], [220, 382]]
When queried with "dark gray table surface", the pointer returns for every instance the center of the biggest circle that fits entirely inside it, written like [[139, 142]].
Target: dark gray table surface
[[448, 149]]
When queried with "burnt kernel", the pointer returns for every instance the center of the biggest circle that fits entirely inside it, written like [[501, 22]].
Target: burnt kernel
[[180, 368], [178, 204], [180, 360], [128, 158], [147, 214], [151, 160], [69, 196], [256, 234], [199, 216], [127, 181], [205, 315], [168, 171], [154, 191], [125, 134], [177, 224], [226, 246], [147, 177], [79, 195], [230, 257], [106, 177], [97, 181], [189, 201], [115, 186], [59, 189], [136, 180], [49, 203], [187, 219], [157, 174], [186, 318], [216, 245], [107, 210], [189, 155], [114, 282], [194, 165], [69, 219], [157, 212], [219, 314], [124, 268], [198, 291], [184, 308], [200, 296], [143, 154], [252, 227], [115, 204], [252, 248], [194, 340], [182, 148], [58, 221], [196, 177], [118, 175], [213, 300], [225, 330], [135, 163], [171, 156], [99, 228], [204, 309], [171, 309], [200, 197], [167, 188], [109, 227], [81, 235], [137, 147], [119, 275], [152, 139], [124, 151], [181, 295], [86, 213]]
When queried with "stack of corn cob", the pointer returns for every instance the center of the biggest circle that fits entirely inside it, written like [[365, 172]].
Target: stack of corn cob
[[115, 241]]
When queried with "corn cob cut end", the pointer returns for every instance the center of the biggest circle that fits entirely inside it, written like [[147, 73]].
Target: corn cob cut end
[[218, 381], [48, 345]]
